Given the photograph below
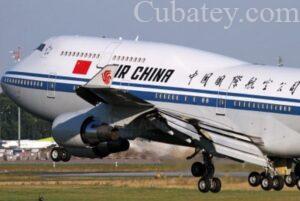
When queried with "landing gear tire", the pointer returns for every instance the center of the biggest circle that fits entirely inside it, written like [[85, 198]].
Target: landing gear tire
[[278, 183], [215, 185], [55, 154], [198, 169], [290, 180], [298, 184], [65, 156], [204, 185], [266, 183], [254, 179]]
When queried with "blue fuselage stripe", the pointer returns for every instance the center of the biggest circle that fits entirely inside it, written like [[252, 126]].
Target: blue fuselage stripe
[[152, 96]]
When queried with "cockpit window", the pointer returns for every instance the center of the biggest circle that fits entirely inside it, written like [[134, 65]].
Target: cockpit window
[[41, 47]]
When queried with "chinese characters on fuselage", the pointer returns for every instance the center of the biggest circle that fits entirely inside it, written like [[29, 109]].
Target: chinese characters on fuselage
[[250, 84]]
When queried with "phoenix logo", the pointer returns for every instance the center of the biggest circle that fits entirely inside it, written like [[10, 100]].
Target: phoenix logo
[[106, 76]]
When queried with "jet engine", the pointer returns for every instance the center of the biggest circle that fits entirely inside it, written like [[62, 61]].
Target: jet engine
[[81, 134]]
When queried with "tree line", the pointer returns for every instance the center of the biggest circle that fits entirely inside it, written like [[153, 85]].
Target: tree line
[[32, 127]]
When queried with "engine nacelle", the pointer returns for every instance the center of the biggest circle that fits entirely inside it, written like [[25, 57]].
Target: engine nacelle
[[83, 136]]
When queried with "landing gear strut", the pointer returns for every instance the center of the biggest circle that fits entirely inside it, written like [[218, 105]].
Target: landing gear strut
[[60, 154], [206, 171]]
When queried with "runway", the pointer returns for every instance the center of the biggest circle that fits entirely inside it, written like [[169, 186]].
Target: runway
[[139, 174]]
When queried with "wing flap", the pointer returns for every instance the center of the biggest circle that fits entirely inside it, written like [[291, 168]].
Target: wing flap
[[223, 142]]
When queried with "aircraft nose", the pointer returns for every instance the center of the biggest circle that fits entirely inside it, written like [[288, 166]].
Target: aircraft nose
[[2, 81]]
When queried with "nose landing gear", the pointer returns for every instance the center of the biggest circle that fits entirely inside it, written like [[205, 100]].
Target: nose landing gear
[[60, 154]]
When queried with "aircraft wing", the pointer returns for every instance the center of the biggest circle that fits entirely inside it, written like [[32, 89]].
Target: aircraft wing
[[191, 132], [99, 89]]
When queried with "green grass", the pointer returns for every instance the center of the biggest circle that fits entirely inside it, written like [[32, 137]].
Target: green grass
[[32, 168], [109, 193], [23, 182]]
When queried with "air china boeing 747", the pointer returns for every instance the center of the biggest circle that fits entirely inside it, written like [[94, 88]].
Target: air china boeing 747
[[102, 93]]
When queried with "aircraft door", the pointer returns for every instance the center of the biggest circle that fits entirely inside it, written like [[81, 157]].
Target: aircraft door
[[221, 103], [51, 85]]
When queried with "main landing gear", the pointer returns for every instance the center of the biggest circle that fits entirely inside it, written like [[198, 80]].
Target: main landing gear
[[266, 181], [60, 154], [293, 179], [206, 171], [269, 181]]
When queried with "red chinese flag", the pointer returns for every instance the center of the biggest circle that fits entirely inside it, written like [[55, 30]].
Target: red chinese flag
[[81, 67]]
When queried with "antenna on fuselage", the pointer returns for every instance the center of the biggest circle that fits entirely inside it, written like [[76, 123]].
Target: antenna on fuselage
[[280, 62]]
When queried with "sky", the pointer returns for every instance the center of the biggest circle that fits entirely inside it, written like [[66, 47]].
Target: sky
[[27, 23]]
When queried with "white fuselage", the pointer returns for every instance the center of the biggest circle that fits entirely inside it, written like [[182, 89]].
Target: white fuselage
[[259, 101]]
